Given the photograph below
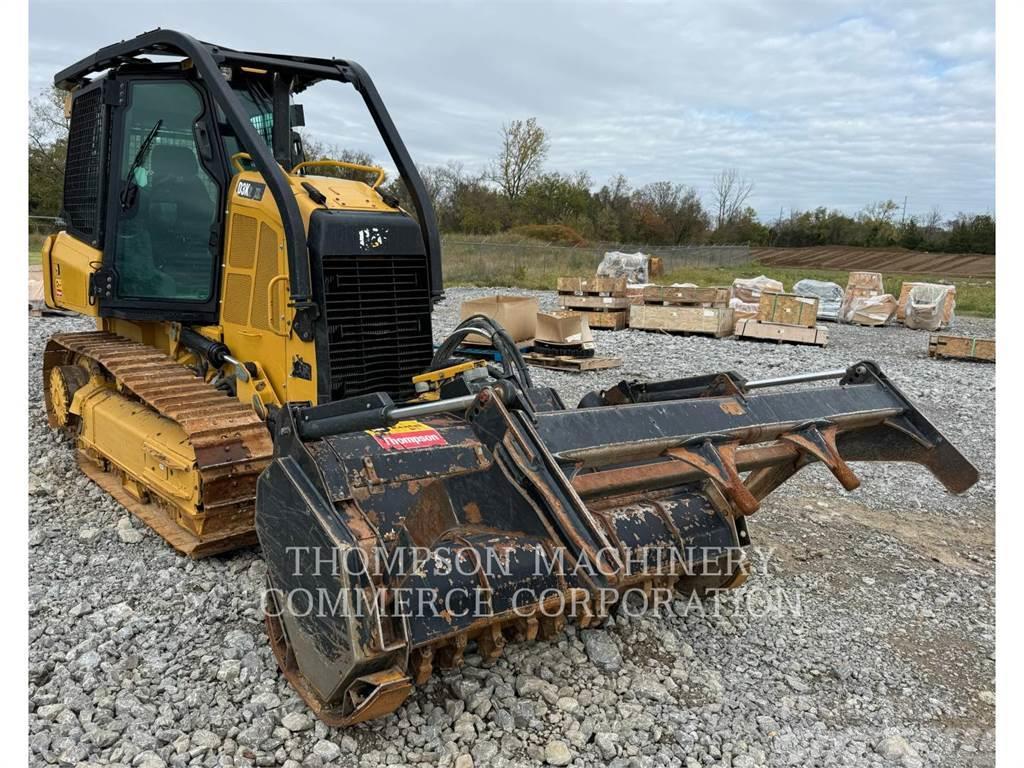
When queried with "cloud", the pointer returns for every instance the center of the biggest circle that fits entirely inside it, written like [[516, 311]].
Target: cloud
[[819, 102]]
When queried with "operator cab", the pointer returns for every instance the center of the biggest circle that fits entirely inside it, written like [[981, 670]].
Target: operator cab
[[159, 127]]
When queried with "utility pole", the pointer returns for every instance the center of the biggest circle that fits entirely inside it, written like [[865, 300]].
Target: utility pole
[[903, 218]]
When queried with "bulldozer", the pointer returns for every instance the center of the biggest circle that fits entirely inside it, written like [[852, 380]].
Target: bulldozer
[[263, 370]]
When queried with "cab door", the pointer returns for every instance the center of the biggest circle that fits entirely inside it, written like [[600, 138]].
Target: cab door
[[165, 207]]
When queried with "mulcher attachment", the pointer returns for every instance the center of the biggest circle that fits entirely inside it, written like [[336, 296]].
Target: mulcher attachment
[[393, 548]]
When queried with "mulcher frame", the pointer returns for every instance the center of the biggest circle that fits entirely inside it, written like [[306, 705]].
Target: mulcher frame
[[636, 469]]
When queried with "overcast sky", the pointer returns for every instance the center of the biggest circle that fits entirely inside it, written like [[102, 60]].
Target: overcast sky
[[818, 102]]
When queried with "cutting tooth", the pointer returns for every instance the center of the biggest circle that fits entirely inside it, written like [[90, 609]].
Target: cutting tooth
[[422, 664], [551, 626], [525, 629], [491, 642], [450, 656]]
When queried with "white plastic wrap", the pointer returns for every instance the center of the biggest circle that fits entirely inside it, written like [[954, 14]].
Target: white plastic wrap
[[632, 266], [829, 296], [749, 289], [926, 307], [748, 309], [871, 310]]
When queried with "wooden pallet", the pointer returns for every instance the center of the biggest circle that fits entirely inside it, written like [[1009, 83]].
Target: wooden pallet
[[710, 321], [485, 353], [572, 364], [978, 349], [793, 334]]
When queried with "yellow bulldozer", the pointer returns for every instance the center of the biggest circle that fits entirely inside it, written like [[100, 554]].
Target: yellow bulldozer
[[263, 370]]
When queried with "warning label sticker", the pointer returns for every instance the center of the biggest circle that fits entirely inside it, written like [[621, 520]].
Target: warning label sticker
[[407, 435]]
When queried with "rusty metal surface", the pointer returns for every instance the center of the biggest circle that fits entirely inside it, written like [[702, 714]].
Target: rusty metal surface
[[617, 486], [232, 445]]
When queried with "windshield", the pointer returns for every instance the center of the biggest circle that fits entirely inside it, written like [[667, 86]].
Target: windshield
[[257, 102]]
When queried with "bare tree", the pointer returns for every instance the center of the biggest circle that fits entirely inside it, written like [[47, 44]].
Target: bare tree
[[730, 192], [524, 145], [933, 221], [314, 149]]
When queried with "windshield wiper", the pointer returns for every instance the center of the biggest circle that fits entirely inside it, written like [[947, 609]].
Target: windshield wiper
[[131, 184]]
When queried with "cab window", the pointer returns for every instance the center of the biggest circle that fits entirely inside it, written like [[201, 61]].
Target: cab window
[[168, 205]]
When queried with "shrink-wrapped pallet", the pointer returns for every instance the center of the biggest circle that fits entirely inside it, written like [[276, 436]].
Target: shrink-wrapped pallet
[[926, 307], [829, 296], [749, 289], [871, 310]]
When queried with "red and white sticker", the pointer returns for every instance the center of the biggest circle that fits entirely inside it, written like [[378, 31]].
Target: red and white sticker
[[407, 435]]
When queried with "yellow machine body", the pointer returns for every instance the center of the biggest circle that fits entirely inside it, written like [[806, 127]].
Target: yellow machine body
[[137, 449]]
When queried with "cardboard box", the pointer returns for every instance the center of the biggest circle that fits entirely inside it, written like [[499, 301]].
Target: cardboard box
[[569, 329], [516, 314], [788, 309], [715, 321]]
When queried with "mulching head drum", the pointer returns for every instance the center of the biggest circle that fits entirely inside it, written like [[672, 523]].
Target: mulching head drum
[[391, 550]]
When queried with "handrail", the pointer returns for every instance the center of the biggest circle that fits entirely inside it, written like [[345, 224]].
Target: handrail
[[238, 157], [345, 164]]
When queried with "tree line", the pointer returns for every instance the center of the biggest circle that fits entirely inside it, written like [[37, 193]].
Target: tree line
[[517, 192]]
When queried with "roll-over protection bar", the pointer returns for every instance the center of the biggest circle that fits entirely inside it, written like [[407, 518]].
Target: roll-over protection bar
[[208, 60]]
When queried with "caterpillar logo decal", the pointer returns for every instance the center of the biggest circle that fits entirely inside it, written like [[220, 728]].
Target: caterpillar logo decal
[[407, 435]]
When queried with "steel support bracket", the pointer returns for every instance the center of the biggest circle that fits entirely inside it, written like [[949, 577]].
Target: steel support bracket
[[718, 462], [821, 444]]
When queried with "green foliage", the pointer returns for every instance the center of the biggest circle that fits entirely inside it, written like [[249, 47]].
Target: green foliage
[[516, 193], [559, 234], [878, 226], [524, 145], [47, 150], [510, 260]]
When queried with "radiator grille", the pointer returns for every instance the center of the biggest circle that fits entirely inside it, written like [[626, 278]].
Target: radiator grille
[[377, 309], [83, 172]]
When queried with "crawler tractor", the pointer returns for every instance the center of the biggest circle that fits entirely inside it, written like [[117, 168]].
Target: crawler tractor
[[263, 369]]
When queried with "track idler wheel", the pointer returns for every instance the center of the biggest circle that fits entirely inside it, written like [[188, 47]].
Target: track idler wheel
[[64, 381]]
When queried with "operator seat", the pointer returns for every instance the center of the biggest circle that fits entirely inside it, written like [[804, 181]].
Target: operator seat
[[181, 211]]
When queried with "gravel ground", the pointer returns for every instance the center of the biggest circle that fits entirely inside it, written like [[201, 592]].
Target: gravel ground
[[865, 635]]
